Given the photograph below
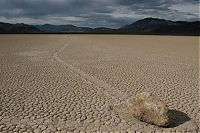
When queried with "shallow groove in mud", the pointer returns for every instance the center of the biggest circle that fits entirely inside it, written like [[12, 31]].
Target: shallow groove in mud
[[108, 89]]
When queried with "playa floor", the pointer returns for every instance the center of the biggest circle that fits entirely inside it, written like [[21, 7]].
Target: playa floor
[[71, 83]]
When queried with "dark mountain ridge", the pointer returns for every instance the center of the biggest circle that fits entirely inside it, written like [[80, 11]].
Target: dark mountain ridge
[[71, 28], [17, 28], [61, 28], [161, 26], [147, 26]]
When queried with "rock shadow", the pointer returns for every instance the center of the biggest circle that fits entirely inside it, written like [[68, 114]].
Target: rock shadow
[[177, 118]]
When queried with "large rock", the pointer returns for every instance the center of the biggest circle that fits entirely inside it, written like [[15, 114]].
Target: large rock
[[149, 108]]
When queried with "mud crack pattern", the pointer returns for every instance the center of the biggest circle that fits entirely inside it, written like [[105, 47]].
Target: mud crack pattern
[[58, 83]]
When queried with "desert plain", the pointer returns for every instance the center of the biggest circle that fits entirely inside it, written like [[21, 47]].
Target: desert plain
[[71, 83]]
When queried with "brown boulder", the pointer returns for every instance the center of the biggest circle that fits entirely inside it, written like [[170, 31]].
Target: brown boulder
[[149, 108]]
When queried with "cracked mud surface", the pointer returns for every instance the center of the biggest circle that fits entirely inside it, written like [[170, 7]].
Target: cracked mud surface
[[71, 83]]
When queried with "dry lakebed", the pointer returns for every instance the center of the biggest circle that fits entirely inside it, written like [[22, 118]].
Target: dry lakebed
[[78, 83]]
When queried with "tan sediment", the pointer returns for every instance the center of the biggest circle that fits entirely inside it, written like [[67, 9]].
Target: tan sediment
[[69, 83], [106, 88]]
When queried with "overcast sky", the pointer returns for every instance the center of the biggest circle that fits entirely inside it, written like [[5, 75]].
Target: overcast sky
[[95, 13]]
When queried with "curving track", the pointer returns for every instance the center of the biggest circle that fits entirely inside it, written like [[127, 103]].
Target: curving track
[[107, 89]]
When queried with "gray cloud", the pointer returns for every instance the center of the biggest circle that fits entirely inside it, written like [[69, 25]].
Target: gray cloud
[[94, 13]]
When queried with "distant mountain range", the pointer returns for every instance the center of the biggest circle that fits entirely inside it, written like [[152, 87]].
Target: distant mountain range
[[146, 26], [18, 28], [162, 26], [70, 28], [61, 28]]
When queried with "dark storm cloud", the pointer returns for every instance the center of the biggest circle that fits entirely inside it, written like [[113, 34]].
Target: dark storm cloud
[[112, 13], [154, 3]]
